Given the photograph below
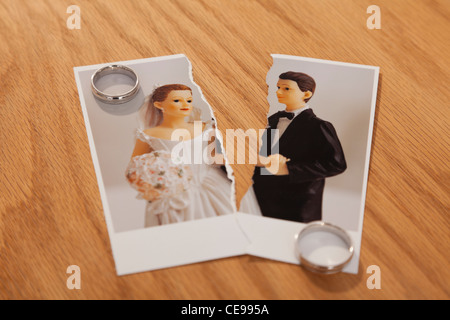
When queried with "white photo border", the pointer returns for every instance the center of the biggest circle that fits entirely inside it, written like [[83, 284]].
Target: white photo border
[[169, 245], [275, 238]]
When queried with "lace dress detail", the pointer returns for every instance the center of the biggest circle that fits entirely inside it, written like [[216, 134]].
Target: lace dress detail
[[209, 192]]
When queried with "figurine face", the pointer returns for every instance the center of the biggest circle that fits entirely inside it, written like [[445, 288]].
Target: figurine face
[[290, 94], [177, 104]]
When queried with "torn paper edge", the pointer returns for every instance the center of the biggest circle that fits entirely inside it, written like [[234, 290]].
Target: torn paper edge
[[129, 248], [247, 220], [230, 172]]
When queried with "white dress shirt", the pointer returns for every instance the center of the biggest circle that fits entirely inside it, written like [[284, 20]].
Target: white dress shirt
[[283, 123]]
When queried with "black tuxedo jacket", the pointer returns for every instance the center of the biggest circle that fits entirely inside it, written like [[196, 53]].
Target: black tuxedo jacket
[[316, 153]]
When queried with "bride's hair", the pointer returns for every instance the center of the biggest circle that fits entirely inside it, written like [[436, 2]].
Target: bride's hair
[[150, 116]]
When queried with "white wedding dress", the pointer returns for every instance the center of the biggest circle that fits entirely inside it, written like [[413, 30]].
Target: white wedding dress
[[209, 193], [249, 203]]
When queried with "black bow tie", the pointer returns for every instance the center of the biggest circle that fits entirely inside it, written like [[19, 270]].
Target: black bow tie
[[273, 119]]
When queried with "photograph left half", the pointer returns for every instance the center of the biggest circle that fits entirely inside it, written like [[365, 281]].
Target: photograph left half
[[166, 188]]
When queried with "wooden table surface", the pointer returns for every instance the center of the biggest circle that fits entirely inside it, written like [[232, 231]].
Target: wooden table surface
[[51, 213]]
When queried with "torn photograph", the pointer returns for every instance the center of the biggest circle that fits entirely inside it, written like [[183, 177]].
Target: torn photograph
[[167, 190], [169, 174], [315, 153]]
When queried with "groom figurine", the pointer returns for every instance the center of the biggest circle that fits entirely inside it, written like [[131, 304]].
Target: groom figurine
[[290, 186]]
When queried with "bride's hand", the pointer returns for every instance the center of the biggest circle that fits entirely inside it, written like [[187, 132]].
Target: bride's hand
[[262, 161], [277, 165]]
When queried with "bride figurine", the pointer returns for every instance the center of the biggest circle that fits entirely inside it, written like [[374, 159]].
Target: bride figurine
[[176, 191]]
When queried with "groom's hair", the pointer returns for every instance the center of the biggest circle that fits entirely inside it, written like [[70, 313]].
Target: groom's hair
[[304, 81]]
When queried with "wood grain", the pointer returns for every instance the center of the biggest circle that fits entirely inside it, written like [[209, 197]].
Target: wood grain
[[50, 209]]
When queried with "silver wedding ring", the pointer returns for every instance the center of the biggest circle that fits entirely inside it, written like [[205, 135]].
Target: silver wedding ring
[[119, 97], [323, 247]]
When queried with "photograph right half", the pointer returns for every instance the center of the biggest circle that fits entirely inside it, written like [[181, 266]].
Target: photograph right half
[[314, 155]]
